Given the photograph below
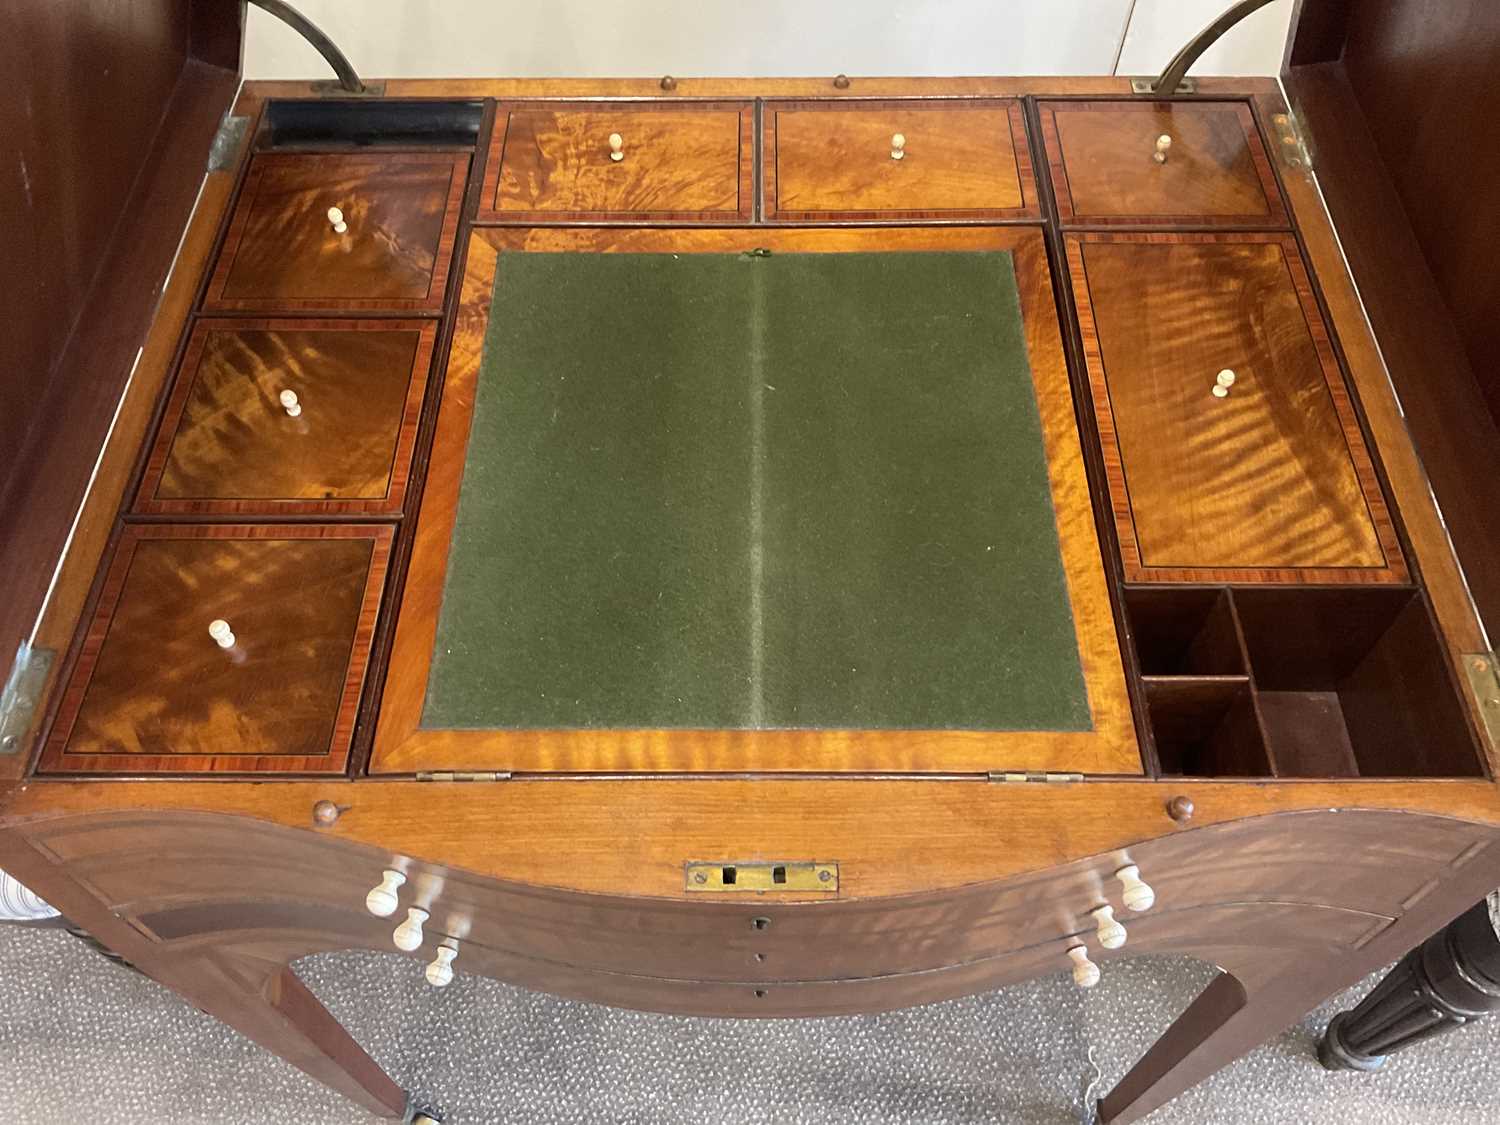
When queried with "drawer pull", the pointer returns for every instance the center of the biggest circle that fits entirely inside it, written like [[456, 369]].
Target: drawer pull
[[616, 147], [898, 145], [336, 220], [408, 935], [1085, 972], [1223, 382], [1111, 934], [220, 631], [383, 900], [439, 974], [1163, 143], [1136, 892], [289, 403]]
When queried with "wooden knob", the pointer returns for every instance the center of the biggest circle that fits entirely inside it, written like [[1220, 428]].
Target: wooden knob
[[840, 81], [898, 145], [220, 631], [1111, 934], [616, 147], [1163, 143], [1136, 893], [408, 935], [1180, 809], [439, 974], [668, 83], [336, 220], [289, 403], [1085, 972], [383, 900]]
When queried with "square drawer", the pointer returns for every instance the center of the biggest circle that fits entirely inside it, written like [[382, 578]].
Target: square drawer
[[154, 691], [341, 445], [837, 159], [1103, 158], [400, 214], [1269, 481], [677, 161]]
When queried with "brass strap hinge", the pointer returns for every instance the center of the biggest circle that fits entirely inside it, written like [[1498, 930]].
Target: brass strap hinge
[[23, 691], [225, 147], [1291, 149], [1483, 672], [1012, 777], [463, 775]]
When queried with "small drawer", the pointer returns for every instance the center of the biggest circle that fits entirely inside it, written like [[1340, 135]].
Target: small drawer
[[910, 159], [678, 161], [155, 690], [284, 252], [291, 417], [1231, 446], [1107, 166]]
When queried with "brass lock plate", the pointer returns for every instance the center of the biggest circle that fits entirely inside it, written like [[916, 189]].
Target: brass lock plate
[[761, 877]]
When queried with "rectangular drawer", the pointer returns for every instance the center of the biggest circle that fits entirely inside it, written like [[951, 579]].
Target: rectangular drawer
[[1270, 481], [400, 212], [232, 442], [1215, 172], [678, 161], [959, 158], [153, 691]]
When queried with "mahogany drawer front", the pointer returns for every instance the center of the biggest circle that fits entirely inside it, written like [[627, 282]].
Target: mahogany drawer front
[[1102, 155], [1267, 482], [678, 161], [153, 690], [230, 443], [960, 158], [400, 212]]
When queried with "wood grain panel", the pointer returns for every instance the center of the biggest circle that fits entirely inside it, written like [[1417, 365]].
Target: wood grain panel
[[831, 160], [1110, 747], [1216, 173], [227, 445], [282, 254], [151, 691], [683, 162], [1272, 483]]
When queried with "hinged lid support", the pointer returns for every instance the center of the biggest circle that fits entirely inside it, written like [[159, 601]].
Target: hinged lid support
[[1174, 80]]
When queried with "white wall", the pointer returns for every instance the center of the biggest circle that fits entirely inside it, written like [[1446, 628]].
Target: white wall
[[765, 38]]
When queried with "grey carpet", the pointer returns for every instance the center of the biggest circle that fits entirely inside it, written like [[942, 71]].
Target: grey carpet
[[82, 1040]]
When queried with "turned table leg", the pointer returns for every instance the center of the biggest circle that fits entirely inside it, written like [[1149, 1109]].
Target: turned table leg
[[1449, 980]]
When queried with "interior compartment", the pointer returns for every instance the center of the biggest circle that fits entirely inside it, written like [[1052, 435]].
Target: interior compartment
[[1184, 632], [1354, 682], [346, 122], [1206, 727]]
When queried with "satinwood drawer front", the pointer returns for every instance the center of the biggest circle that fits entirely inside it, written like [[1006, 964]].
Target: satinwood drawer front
[[282, 417], [1231, 446], [224, 647], [285, 250], [1164, 163], [619, 161], [914, 159]]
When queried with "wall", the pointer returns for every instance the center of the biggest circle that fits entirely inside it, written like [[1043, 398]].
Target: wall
[[591, 38]]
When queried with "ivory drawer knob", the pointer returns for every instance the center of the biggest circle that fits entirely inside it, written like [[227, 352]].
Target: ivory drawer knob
[[1136, 892], [1163, 143], [289, 403], [383, 900], [439, 973], [1111, 934], [898, 145], [220, 631], [1085, 972], [336, 220], [408, 935], [616, 147]]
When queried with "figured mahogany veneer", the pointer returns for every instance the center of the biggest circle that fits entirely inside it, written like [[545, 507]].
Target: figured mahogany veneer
[[685, 162], [227, 445], [1216, 172], [1271, 483], [282, 253], [151, 691], [831, 160]]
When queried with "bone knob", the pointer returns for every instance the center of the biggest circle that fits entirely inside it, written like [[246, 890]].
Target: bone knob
[[336, 220], [1085, 972], [439, 974], [289, 403], [220, 631], [1136, 892], [408, 935], [383, 900], [1111, 934], [616, 147], [898, 145], [1163, 143]]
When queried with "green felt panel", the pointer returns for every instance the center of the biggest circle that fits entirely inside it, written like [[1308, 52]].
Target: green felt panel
[[796, 490]]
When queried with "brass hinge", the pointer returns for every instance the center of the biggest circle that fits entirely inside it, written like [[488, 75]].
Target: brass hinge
[[23, 691], [1290, 146], [463, 775], [1012, 777], [226, 143], [1483, 672]]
